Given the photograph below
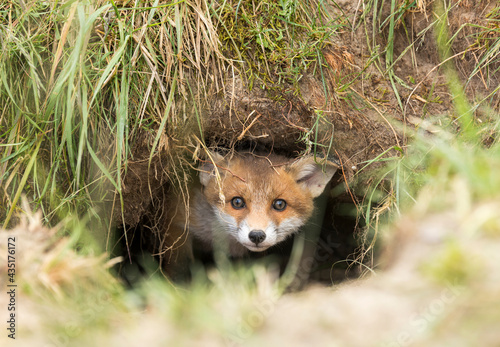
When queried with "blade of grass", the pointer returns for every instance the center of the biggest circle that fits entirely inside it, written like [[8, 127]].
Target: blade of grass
[[464, 110], [165, 118], [121, 125], [83, 134], [102, 167], [389, 54], [24, 179]]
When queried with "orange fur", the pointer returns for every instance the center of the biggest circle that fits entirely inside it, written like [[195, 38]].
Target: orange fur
[[258, 183]]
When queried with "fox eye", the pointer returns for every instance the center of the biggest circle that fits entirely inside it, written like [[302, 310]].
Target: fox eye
[[237, 202], [279, 204]]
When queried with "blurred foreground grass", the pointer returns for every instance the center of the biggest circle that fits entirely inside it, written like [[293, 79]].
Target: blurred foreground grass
[[70, 84], [439, 282]]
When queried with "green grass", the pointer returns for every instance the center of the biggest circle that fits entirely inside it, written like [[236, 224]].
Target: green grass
[[381, 31], [80, 86], [276, 42], [395, 185]]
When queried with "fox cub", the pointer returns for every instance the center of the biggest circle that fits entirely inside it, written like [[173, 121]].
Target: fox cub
[[244, 202]]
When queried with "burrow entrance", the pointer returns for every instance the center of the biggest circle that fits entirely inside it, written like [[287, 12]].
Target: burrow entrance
[[258, 121]]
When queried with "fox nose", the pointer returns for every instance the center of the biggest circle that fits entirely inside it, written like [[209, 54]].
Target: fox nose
[[257, 236]]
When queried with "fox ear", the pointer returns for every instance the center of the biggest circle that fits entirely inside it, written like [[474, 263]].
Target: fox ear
[[313, 176], [207, 167]]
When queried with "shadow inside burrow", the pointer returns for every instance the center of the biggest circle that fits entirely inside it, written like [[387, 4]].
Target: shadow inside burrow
[[326, 259]]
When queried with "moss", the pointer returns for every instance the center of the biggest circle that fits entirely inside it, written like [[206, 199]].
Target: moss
[[451, 265], [276, 41]]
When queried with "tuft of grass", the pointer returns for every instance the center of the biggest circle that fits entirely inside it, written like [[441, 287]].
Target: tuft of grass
[[386, 27], [84, 85], [80, 82], [487, 42], [275, 42]]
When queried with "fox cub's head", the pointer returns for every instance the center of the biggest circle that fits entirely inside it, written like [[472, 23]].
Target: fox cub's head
[[261, 200]]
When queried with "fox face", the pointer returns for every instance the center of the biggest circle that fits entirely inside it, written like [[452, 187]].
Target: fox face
[[259, 201]]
